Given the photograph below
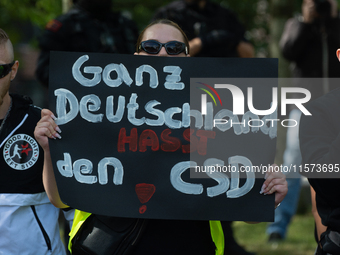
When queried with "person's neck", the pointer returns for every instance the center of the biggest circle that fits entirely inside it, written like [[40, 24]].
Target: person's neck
[[5, 106]]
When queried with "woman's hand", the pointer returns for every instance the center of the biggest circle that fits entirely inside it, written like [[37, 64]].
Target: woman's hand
[[46, 128], [275, 182]]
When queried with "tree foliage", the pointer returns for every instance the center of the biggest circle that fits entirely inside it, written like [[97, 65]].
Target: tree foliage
[[37, 12]]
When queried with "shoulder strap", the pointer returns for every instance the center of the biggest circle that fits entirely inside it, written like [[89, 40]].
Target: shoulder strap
[[217, 236]]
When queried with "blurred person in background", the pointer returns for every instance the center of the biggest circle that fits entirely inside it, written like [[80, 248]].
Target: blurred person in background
[[90, 26], [309, 42], [213, 31]]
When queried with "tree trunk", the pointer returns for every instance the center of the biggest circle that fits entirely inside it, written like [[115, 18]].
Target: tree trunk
[[67, 4]]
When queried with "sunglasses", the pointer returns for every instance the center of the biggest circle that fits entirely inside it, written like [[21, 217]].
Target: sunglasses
[[172, 48], [5, 69]]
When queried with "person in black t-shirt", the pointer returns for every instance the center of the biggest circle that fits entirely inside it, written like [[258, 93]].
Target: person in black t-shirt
[[28, 221], [320, 146]]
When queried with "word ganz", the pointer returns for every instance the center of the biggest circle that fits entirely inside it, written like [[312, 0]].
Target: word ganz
[[82, 171], [172, 81]]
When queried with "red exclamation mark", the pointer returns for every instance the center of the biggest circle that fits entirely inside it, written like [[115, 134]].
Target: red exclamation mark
[[144, 192]]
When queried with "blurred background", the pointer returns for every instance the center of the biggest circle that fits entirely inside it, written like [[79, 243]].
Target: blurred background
[[263, 20]]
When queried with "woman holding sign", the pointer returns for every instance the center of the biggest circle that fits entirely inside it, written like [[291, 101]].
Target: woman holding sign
[[95, 234]]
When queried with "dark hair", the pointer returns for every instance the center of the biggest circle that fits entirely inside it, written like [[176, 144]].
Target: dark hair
[[165, 22], [3, 37]]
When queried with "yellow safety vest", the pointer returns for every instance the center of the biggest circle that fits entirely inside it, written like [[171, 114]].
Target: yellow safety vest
[[216, 231]]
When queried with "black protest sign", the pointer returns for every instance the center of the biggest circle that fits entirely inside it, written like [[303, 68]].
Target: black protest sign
[[132, 139]]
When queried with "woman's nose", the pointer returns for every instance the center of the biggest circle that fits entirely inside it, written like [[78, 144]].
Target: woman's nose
[[162, 52]]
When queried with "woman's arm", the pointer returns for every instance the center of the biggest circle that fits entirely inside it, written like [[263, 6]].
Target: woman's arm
[[46, 128]]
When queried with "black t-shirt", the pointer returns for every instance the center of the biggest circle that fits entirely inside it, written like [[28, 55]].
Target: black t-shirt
[[22, 159], [320, 145]]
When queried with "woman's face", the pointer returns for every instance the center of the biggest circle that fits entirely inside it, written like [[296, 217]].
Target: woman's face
[[162, 33]]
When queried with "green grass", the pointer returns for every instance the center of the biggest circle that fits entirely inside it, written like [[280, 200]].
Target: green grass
[[299, 240]]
